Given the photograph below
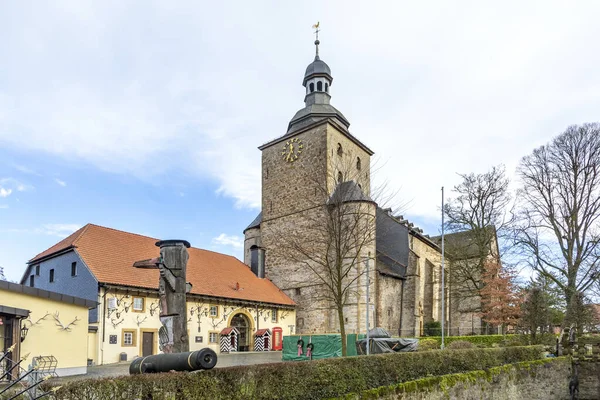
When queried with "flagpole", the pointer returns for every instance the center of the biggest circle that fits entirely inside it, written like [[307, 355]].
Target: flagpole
[[443, 302]]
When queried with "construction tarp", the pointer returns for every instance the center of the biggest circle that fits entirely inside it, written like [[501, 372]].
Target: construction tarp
[[324, 346], [386, 345], [381, 342]]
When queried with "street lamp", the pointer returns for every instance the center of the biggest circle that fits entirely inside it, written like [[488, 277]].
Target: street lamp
[[24, 331]]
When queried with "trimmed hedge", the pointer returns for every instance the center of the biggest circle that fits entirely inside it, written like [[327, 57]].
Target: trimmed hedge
[[301, 380], [478, 340]]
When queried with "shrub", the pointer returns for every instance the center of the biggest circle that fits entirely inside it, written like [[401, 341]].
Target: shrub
[[296, 380], [461, 344], [428, 344], [478, 340], [432, 328]]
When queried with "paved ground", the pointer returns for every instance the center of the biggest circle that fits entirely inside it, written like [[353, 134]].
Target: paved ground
[[223, 360]]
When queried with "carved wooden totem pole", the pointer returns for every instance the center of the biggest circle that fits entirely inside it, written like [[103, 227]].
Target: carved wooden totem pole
[[172, 290]]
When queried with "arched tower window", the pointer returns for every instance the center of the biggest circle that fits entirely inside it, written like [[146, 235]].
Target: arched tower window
[[340, 151], [327, 87], [358, 165], [319, 86], [312, 87], [340, 177]]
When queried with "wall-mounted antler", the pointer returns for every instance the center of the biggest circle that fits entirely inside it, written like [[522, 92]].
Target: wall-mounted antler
[[120, 299], [31, 323], [139, 321], [116, 323], [153, 308], [62, 326]]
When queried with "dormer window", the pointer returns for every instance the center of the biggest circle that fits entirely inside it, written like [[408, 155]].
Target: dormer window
[[340, 151], [319, 86], [312, 87], [326, 87]]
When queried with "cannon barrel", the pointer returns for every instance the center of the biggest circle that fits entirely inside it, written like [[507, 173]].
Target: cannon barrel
[[188, 361]]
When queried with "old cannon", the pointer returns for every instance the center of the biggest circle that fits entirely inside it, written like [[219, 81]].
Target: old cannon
[[187, 361]]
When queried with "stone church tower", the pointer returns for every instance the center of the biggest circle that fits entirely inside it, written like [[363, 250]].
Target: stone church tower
[[301, 171], [315, 168]]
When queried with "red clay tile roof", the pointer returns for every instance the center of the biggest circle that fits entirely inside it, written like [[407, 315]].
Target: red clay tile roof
[[227, 331], [262, 332], [110, 255]]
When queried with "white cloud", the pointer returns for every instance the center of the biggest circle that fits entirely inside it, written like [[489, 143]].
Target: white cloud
[[237, 242], [474, 86], [3, 206], [60, 230], [26, 170], [60, 182], [9, 185]]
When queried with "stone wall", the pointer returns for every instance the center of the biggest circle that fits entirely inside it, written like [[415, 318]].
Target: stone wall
[[410, 298], [589, 380], [533, 380], [389, 303]]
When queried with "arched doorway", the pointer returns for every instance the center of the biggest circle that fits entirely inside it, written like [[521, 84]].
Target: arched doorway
[[242, 324]]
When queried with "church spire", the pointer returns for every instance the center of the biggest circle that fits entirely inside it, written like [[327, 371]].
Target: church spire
[[317, 78], [316, 28]]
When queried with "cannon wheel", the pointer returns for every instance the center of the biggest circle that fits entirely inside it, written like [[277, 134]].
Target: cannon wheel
[[207, 359]]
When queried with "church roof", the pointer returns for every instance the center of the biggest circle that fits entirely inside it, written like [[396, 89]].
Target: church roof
[[463, 245], [110, 255], [317, 67], [313, 113], [255, 223], [347, 192], [391, 244]]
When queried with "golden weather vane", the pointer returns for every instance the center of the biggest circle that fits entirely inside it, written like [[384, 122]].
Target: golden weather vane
[[316, 28]]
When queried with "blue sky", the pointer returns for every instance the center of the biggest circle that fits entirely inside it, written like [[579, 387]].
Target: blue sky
[[146, 116]]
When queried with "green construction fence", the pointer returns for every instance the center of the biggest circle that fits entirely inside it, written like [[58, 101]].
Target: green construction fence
[[324, 346]]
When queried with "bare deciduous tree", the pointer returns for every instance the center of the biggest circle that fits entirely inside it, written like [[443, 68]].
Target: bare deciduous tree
[[478, 216], [559, 210]]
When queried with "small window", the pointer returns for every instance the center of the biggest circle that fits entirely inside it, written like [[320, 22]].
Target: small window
[[319, 86], [138, 304], [198, 339], [214, 311], [340, 151], [340, 177], [312, 87], [300, 322], [298, 291], [326, 87], [274, 316], [37, 270], [31, 278], [128, 338], [358, 164], [52, 275], [74, 269], [213, 337]]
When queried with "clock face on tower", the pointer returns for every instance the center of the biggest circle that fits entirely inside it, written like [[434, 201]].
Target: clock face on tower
[[292, 150]]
